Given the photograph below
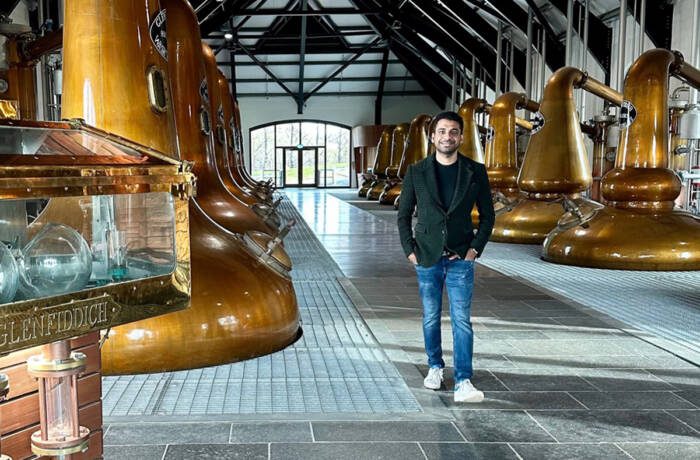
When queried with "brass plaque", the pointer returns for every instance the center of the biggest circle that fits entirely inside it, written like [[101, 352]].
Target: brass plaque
[[41, 325]]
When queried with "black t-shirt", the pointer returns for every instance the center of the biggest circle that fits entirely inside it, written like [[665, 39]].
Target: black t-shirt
[[446, 182]]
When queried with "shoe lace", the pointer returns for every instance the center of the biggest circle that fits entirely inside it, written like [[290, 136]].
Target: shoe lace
[[464, 385], [436, 372]]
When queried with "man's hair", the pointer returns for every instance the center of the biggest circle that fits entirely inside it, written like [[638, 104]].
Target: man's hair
[[448, 115]]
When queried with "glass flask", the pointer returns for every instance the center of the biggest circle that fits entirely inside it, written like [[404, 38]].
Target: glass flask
[[56, 261], [9, 275]]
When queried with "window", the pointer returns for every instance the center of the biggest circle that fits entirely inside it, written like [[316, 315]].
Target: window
[[276, 149]]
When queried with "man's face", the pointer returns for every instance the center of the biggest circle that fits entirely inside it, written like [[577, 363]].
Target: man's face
[[447, 136]]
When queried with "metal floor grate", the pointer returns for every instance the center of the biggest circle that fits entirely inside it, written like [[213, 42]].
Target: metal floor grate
[[336, 367], [664, 303]]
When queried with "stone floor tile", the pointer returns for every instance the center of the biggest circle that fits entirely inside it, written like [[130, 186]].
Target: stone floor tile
[[623, 380], [614, 426], [346, 451], [217, 452], [657, 450], [691, 417], [569, 451], [385, 431], [631, 400], [541, 380], [471, 451], [133, 452], [692, 396], [167, 433], [522, 400], [250, 432], [499, 426]]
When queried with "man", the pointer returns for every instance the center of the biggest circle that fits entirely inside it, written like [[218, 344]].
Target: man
[[443, 246]]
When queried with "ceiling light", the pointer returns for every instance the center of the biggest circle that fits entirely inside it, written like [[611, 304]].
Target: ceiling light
[[228, 36]]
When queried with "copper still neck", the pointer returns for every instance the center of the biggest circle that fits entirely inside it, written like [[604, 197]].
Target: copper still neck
[[471, 145], [501, 147], [416, 143], [556, 161]]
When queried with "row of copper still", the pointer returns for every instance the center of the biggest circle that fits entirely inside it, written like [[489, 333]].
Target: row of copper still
[[627, 220], [634, 226], [170, 96]]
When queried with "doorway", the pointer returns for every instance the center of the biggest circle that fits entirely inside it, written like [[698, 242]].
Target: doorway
[[300, 165]]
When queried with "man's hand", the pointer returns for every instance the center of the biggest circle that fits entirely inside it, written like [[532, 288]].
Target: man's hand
[[471, 254], [412, 258]]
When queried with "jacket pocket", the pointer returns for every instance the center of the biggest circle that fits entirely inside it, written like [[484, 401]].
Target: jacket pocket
[[420, 228]]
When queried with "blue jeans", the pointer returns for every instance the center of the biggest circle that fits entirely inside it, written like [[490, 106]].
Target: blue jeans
[[458, 276]]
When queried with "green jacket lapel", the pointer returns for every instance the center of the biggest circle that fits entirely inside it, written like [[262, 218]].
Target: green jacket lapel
[[464, 179], [430, 179]]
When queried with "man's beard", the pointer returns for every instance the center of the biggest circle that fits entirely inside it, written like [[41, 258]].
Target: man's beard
[[447, 153]]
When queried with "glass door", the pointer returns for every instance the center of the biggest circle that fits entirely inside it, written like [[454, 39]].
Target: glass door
[[300, 167]]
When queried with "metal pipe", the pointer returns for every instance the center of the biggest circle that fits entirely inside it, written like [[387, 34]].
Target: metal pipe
[[528, 55], [643, 24], [569, 27], [510, 62], [453, 94], [634, 31], [695, 50], [474, 77], [499, 50], [601, 90], [689, 74], [584, 56], [621, 44], [543, 67]]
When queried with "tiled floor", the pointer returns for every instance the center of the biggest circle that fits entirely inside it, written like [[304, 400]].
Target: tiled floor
[[561, 380]]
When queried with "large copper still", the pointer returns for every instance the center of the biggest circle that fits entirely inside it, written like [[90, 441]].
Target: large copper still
[[384, 147], [417, 147], [219, 199], [384, 160], [555, 163], [399, 137], [240, 307], [638, 228]]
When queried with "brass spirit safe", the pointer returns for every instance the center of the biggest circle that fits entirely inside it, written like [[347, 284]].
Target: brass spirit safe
[[94, 232]]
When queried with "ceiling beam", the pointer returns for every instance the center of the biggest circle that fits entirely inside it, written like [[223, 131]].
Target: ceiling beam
[[324, 12], [314, 63], [339, 94], [302, 56], [266, 70], [342, 67], [380, 90]]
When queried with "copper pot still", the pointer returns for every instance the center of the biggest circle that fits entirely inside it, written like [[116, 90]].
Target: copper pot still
[[240, 307], [555, 169], [416, 148], [383, 150], [638, 228], [399, 138]]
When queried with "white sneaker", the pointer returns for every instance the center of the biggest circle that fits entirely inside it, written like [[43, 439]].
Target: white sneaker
[[434, 378], [465, 392]]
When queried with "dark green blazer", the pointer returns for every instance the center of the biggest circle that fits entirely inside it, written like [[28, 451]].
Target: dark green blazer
[[436, 228]]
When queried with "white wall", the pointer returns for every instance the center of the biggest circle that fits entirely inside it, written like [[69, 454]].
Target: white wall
[[350, 111]]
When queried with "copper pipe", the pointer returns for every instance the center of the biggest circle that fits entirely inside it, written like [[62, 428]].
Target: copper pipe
[[601, 90], [52, 41], [687, 72]]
